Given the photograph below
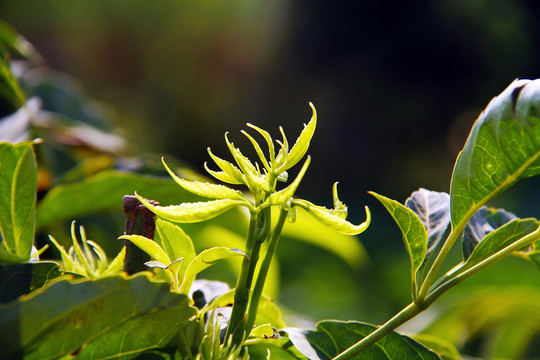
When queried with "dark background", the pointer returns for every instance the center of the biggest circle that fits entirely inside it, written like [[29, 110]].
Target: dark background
[[397, 87]]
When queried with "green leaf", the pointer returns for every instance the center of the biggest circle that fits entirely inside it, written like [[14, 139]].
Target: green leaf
[[500, 238], [336, 222], [414, 233], [269, 142], [205, 189], [301, 146], [78, 312], [194, 212], [18, 184], [175, 242], [21, 279], [148, 246], [102, 192], [445, 349], [503, 147], [433, 209], [333, 337], [204, 260], [481, 224], [230, 174]]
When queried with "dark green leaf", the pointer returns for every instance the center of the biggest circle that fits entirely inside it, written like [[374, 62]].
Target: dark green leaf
[[333, 337], [481, 224], [415, 235], [18, 183], [503, 147], [20, 279], [433, 209], [60, 318]]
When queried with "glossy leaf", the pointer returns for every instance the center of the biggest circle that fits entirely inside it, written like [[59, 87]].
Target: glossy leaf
[[333, 337], [193, 212], [414, 234], [148, 246], [433, 210], [301, 146], [78, 312], [205, 189], [21, 279], [503, 147], [204, 260], [500, 238], [102, 192], [18, 183], [481, 224], [336, 222]]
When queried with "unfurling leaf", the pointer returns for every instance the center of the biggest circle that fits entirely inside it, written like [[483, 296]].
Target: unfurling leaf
[[340, 209], [503, 147], [230, 174], [283, 196], [433, 209], [194, 212], [414, 234], [205, 189], [481, 224], [328, 217], [301, 146], [206, 259]]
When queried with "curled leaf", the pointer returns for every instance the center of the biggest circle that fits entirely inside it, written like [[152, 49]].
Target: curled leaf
[[205, 189], [337, 223], [283, 196], [340, 209]]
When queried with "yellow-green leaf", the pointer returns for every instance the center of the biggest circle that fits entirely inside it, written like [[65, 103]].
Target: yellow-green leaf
[[148, 246]]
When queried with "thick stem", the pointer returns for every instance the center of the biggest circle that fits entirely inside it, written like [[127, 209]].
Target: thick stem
[[405, 315], [263, 272]]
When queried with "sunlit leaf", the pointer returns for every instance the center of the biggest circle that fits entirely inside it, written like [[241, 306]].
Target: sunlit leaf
[[301, 146], [230, 174], [268, 139], [333, 337], [205, 189], [205, 259], [148, 246], [414, 234], [18, 183], [445, 349], [175, 242], [433, 209], [252, 176], [503, 147], [258, 150], [283, 196], [193, 212], [481, 224], [337, 223]]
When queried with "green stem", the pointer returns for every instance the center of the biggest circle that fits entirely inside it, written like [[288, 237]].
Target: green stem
[[263, 272], [403, 316], [241, 293]]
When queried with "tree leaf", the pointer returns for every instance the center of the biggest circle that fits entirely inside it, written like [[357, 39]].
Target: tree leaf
[[175, 242], [21, 279], [301, 146], [230, 174], [148, 246], [102, 192], [205, 189], [503, 147], [433, 210], [72, 313], [18, 184], [283, 196], [333, 337], [481, 224], [500, 238], [206, 259], [414, 233], [336, 222], [193, 212]]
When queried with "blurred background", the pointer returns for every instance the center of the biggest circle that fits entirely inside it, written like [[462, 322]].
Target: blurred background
[[396, 86]]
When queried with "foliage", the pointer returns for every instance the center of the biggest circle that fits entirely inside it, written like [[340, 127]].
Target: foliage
[[87, 307]]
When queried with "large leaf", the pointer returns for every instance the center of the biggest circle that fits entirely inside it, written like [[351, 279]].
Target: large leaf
[[503, 147], [414, 233], [62, 317], [104, 192], [481, 224], [18, 183], [20, 279], [433, 209], [333, 337]]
